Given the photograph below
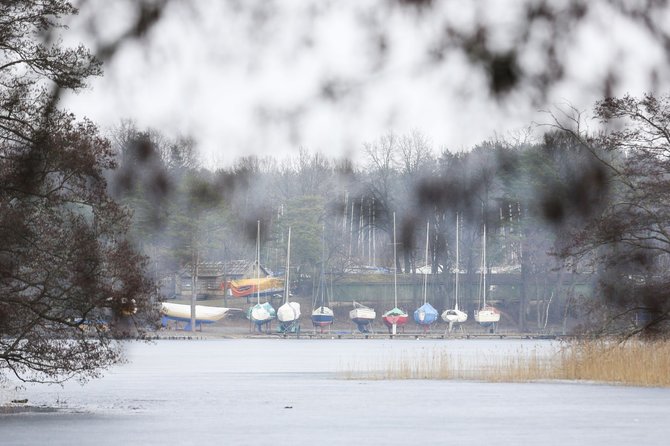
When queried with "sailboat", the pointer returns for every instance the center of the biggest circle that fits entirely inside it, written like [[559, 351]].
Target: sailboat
[[322, 316], [426, 314], [261, 313], [362, 316], [454, 315], [289, 313], [487, 316], [395, 316], [182, 313]]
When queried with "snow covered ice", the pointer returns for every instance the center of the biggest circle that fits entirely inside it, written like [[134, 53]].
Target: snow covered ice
[[287, 391]]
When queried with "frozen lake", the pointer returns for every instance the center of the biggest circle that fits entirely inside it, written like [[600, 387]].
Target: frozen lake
[[291, 392]]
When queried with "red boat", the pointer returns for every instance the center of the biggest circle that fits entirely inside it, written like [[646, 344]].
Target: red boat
[[395, 317]]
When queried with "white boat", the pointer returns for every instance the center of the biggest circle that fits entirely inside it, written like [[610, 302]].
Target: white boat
[[455, 315], [486, 316], [203, 313], [261, 313], [362, 316], [289, 313], [322, 316]]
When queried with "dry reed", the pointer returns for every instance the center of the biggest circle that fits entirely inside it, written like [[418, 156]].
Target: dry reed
[[629, 363]]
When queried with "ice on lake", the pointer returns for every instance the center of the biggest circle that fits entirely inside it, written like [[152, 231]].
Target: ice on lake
[[292, 392]]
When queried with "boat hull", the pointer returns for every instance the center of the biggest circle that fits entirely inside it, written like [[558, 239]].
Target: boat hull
[[203, 313], [454, 316], [362, 315], [266, 286], [322, 317], [395, 317], [425, 314], [487, 316], [261, 313], [289, 312]]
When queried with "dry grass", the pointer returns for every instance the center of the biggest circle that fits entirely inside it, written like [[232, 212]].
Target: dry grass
[[630, 363]]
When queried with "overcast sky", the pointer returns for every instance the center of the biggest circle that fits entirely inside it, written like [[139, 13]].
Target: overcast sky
[[258, 77]]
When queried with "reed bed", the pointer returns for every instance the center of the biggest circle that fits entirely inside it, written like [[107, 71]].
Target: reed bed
[[630, 363]]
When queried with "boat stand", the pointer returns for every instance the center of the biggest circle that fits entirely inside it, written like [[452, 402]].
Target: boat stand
[[258, 326], [450, 328], [426, 328], [321, 328], [289, 327], [365, 328]]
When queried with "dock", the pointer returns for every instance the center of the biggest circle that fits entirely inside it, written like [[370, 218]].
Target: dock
[[347, 334]]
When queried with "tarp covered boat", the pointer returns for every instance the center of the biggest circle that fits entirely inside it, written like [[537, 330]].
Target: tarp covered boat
[[426, 314], [395, 316], [289, 313], [261, 313], [263, 286]]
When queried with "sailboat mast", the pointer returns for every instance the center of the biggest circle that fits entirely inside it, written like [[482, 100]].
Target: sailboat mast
[[395, 268], [425, 275], [322, 285], [288, 259], [484, 263], [458, 268], [258, 261]]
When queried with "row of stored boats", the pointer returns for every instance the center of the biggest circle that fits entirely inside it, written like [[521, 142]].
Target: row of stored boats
[[288, 314], [322, 316]]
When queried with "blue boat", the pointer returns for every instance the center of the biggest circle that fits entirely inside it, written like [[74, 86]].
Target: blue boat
[[426, 314], [322, 317]]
